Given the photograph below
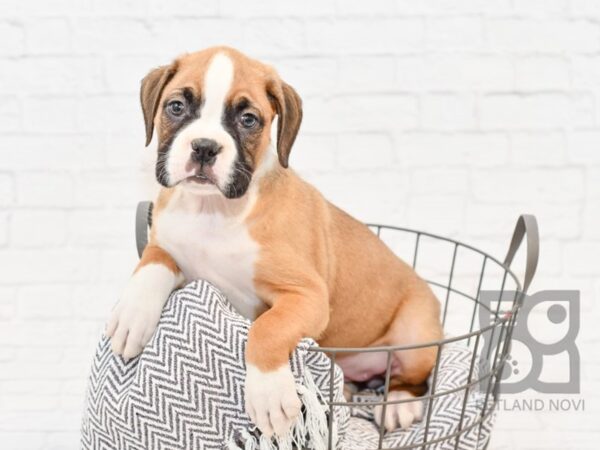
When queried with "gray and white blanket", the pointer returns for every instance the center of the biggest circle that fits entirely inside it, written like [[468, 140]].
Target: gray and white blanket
[[186, 390]]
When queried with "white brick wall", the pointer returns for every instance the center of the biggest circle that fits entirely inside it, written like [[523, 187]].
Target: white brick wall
[[449, 115]]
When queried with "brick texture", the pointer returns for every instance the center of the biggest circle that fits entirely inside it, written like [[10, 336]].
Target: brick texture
[[452, 116]]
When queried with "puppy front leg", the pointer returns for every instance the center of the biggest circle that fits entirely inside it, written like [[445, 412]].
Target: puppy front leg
[[134, 318], [271, 399]]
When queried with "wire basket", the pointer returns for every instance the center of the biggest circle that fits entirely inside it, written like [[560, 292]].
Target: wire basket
[[459, 274]]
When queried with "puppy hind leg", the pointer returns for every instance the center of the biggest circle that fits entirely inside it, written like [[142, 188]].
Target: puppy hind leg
[[417, 322]]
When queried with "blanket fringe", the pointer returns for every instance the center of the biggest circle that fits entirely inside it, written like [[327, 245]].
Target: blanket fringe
[[316, 417], [310, 430]]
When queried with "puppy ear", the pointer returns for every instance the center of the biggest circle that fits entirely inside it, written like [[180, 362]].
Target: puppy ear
[[150, 92], [288, 106]]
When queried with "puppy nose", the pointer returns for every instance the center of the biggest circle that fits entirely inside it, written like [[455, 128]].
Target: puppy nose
[[205, 151]]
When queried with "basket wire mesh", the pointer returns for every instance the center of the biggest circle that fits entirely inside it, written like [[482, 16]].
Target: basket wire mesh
[[491, 274]]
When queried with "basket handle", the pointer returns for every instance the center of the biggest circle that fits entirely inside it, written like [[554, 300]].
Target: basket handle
[[526, 225], [143, 221]]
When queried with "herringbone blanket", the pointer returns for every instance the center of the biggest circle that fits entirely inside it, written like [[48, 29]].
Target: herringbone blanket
[[185, 391]]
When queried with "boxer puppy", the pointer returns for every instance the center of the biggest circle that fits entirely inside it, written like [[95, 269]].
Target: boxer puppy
[[230, 211]]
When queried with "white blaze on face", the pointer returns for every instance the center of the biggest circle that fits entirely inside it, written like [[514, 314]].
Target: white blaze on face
[[217, 83]]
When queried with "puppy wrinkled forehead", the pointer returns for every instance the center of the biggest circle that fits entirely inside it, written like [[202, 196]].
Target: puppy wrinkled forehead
[[250, 77]]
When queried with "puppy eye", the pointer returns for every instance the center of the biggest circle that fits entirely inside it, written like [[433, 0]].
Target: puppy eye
[[176, 107], [248, 120]]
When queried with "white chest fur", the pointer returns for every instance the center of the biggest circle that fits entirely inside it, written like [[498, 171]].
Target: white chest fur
[[213, 247]]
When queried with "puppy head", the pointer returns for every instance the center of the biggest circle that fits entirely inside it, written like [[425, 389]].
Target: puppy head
[[213, 112]]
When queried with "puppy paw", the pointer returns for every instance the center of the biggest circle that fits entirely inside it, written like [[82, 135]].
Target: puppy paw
[[399, 414], [271, 399], [135, 317]]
